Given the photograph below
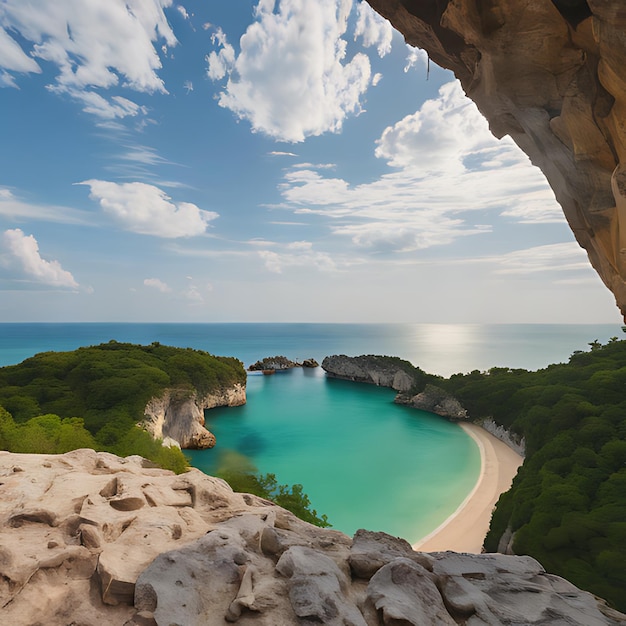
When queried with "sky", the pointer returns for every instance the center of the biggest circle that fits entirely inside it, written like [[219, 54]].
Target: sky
[[261, 160]]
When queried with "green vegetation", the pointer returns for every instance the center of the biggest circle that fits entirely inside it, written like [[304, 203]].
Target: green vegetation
[[108, 386], [567, 505], [242, 476]]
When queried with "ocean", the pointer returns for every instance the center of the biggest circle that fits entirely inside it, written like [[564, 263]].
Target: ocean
[[364, 461]]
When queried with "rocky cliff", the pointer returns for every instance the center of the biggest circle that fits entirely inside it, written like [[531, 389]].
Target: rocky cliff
[[376, 370], [179, 415], [549, 73], [435, 400], [90, 538]]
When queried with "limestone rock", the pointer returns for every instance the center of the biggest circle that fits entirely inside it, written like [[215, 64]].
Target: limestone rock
[[375, 370], [177, 417], [549, 73], [435, 400], [372, 550], [405, 593], [185, 550]]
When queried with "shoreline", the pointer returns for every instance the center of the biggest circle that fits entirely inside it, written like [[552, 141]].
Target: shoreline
[[466, 528]]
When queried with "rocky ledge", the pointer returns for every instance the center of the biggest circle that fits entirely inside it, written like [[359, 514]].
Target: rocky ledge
[[90, 538], [278, 363], [435, 400], [177, 416], [375, 370]]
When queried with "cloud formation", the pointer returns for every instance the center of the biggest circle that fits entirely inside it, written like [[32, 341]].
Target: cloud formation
[[296, 254], [291, 78], [148, 210], [375, 30], [447, 174], [25, 250], [157, 284], [94, 45], [14, 208]]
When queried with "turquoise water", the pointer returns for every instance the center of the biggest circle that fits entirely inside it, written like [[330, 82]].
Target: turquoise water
[[364, 461]]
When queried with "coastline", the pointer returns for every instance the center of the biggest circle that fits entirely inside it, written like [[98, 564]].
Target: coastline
[[466, 528]]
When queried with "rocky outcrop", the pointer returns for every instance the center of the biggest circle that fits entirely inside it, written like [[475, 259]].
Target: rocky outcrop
[[375, 370], [179, 415], [278, 363], [89, 538], [515, 442], [549, 73], [435, 400]]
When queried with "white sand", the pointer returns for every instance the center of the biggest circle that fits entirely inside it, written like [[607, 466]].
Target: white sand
[[466, 528]]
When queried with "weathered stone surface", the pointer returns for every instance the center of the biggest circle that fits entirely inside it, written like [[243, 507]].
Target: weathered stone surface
[[195, 553], [405, 593], [178, 417], [375, 370], [372, 550], [435, 400], [549, 73]]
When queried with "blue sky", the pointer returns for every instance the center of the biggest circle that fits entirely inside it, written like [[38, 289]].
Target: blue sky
[[262, 161]]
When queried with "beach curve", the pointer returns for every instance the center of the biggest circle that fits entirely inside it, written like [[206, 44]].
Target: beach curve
[[466, 528]]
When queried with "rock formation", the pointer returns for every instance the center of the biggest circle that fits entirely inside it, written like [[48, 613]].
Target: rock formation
[[179, 415], [90, 538], [549, 73], [278, 363], [375, 370], [435, 400]]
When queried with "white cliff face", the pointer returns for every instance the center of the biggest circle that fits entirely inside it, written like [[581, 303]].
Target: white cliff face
[[90, 538], [180, 415], [369, 369]]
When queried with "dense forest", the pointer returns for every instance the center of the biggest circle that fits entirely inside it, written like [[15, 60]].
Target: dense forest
[[94, 397], [567, 505]]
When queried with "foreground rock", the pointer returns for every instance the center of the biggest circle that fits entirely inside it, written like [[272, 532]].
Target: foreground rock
[[179, 415], [435, 400], [376, 370], [89, 538], [549, 73]]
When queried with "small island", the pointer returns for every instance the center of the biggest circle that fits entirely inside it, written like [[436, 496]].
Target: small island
[[273, 364]]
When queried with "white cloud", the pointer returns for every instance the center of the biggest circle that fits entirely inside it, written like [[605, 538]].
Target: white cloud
[[157, 284], [115, 108], [440, 136], [25, 250], [12, 57], [13, 208], [558, 257], [296, 254], [415, 57], [449, 176], [95, 44], [148, 210], [279, 153], [183, 11], [375, 30], [291, 78]]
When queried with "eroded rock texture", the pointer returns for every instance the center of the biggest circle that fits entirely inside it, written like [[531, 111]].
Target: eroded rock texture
[[178, 415], [551, 74], [89, 538], [371, 369]]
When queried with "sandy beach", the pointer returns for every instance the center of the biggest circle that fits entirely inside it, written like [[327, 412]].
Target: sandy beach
[[465, 529]]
